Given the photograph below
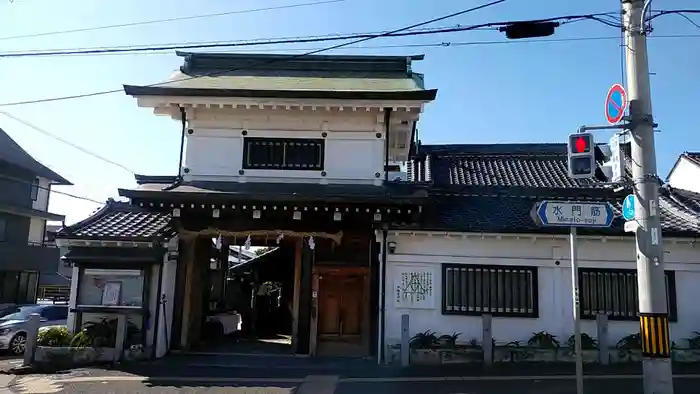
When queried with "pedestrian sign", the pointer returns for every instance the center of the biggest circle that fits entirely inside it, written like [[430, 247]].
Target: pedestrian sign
[[615, 104]]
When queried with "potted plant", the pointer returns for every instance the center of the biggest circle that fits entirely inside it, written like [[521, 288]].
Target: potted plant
[[630, 348], [544, 345], [424, 348], [589, 347]]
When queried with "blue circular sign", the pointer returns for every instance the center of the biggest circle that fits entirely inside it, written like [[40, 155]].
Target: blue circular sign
[[628, 207], [615, 104]]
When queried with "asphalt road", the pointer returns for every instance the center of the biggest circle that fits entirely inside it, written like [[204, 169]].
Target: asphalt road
[[115, 384]]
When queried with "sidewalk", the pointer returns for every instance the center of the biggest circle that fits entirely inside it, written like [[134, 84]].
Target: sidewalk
[[294, 368], [266, 367], [7, 363]]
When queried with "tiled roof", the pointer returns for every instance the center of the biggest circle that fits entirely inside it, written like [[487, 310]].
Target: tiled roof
[[120, 221], [693, 157], [12, 153], [519, 165], [493, 188], [289, 76], [204, 63]]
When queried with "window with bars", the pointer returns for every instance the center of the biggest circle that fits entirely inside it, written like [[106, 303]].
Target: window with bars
[[613, 292], [496, 290], [283, 154]]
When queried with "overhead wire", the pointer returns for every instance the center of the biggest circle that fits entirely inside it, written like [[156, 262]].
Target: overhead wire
[[63, 140], [191, 17], [51, 190], [359, 40], [286, 40], [223, 44], [442, 44], [26, 123]]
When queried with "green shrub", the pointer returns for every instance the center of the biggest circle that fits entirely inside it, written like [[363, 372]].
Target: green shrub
[[54, 336]]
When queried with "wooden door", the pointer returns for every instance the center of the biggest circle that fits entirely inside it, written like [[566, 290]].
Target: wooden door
[[341, 305]]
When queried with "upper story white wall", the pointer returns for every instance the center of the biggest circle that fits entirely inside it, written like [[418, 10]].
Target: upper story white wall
[[37, 226], [685, 175], [554, 292], [354, 142], [42, 196]]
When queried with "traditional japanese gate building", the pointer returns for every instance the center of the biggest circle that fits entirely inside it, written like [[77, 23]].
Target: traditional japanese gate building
[[292, 152]]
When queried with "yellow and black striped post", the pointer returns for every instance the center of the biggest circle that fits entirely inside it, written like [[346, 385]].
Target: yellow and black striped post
[[654, 335]]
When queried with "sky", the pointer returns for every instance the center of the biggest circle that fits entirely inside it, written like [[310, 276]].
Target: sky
[[509, 91]]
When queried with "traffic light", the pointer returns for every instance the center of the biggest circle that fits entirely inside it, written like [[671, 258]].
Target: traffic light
[[518, 30], [581, 156]]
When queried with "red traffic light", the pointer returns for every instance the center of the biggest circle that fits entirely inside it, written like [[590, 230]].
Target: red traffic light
[[580, 143]]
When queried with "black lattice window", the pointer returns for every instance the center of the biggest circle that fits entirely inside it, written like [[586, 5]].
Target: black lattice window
[[496, 290], [613, 292], [283, 154]]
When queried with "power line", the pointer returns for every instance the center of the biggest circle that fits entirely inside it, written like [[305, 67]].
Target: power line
[[150, 22], [50, 190], [217, 44], [442, 44], [273, 61], [276, 41], [58, 138], [692, 22], [359, 40]]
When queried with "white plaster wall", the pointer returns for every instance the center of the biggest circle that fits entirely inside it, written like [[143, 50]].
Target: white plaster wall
[[37, 228], [353, 152], [685, 176], [554, 293], [42, 199]]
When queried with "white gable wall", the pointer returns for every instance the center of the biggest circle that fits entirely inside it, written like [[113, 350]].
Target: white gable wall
[[686, 176], [354, 142], [554, 283]]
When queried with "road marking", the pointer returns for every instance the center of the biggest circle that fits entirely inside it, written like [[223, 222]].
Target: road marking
[[248, 366], [203, 379], [319, 384], [336, 379]]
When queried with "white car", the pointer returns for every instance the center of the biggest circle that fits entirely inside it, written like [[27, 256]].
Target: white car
[[13, 321]]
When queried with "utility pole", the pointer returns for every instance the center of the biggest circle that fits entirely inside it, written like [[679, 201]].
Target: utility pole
[[653, 310]]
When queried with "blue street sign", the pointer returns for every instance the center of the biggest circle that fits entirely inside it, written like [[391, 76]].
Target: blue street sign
[[574, 214], [628, 207], [615, 104]]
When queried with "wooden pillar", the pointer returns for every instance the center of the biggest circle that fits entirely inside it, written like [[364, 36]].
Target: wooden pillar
[[305, 293], [200, 292], [295, 299], [196, 257], [187, 256], [313, 331]]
